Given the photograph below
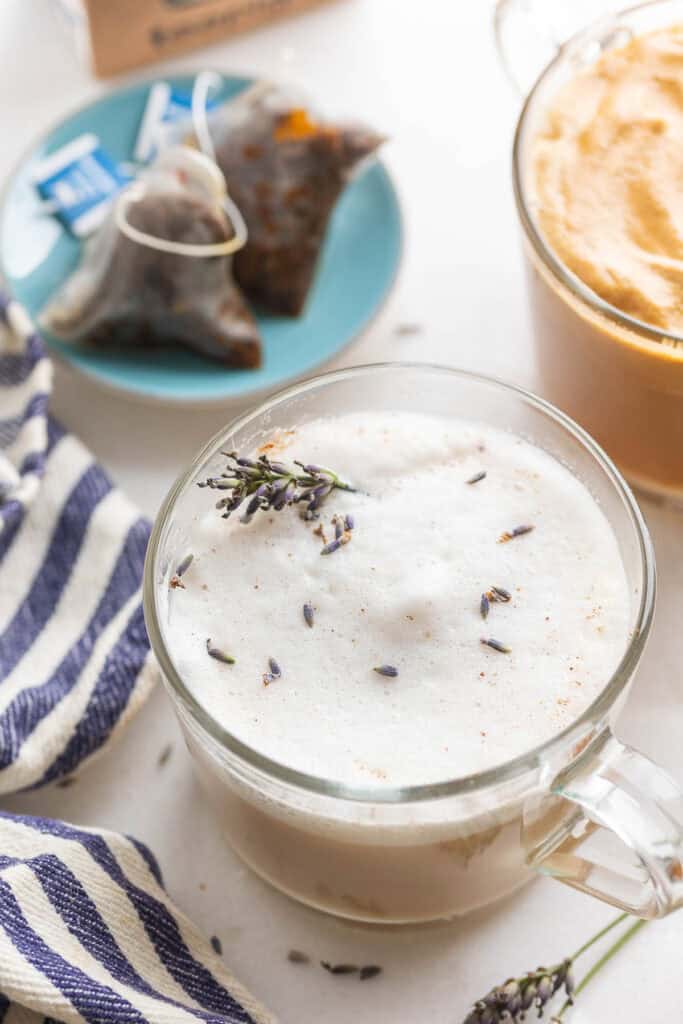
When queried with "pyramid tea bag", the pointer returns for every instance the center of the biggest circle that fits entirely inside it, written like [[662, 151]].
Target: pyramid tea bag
[[159, 270], [285, 170]]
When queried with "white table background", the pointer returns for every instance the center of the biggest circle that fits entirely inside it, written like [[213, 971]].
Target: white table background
[[425, 71]]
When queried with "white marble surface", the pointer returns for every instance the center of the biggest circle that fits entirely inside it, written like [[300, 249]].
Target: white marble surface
[[426, 73]]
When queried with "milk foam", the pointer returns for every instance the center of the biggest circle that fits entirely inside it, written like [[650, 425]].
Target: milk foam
[[406, 591]]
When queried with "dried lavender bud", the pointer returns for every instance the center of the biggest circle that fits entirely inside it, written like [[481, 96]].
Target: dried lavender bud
[[371, 971], [484, 606], [477, 477], [330, 548], [274, 667], [255, 503], [499, 594], [518, 531], [295, 956], [308, 615], [495, 645], [184, 565], [338, 527], [216, 945], [349, 522], [509, 997], [405, 330], [215, 652], [386, 670], [544, 991], [165, 755], [339, 968], [279, 468], [67, 782]]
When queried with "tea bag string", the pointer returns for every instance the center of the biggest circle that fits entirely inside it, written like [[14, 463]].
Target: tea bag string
[[230, 245], [204, 82]]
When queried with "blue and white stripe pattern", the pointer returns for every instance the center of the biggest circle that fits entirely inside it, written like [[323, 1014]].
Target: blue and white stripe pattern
[[88, 934], [74, 655]]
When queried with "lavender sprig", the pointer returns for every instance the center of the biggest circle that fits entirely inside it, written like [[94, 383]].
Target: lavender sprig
[[512, 1001], [270, 486]]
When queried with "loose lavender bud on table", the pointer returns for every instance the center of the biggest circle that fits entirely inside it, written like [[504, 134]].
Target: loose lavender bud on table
[[370, 971], [333, 546], [500, 594], [477, 477], [295, 956], [339, 968], [518, 531], [484, 606], [308, 615], [390, 671]]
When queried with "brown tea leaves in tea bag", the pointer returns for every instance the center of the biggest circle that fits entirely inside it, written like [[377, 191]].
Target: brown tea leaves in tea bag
[[134, 289], [285, 170]]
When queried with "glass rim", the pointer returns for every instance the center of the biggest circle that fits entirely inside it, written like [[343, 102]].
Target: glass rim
[[505, 771], [647, 333]]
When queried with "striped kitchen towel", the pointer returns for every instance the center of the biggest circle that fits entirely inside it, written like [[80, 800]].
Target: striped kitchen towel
[[74, 655], [88, 934]]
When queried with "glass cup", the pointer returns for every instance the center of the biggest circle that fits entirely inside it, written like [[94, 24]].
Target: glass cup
[[581, 807], [619, 377]]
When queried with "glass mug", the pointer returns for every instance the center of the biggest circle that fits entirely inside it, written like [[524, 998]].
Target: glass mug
[[619, 377], [581, 807]]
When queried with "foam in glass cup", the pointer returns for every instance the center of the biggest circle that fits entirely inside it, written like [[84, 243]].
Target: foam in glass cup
[[441, 728]]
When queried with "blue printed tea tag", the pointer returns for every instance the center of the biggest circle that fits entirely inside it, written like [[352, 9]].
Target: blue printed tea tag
[[78, 183]]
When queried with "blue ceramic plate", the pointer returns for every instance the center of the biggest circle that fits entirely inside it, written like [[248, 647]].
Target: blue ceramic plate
[[358, 265]]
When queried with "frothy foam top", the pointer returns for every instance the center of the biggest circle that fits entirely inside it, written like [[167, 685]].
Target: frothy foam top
[[406, 592]]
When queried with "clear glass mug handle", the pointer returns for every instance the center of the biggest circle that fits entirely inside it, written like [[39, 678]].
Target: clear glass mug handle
[[612, 826], [530, 33]]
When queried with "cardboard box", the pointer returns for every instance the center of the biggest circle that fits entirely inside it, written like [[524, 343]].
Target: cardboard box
[[127, 33]]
